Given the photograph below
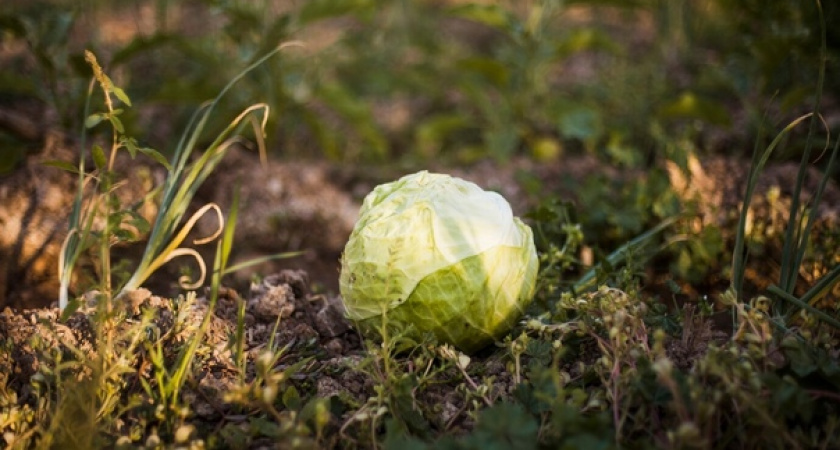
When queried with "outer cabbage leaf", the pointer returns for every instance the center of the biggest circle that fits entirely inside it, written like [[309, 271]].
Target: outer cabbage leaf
[[434, 253]]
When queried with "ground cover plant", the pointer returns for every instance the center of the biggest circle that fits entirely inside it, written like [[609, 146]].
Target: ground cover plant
[[687, 292]]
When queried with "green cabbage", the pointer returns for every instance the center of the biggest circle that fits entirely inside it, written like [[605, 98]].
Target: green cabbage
[[436, 254]]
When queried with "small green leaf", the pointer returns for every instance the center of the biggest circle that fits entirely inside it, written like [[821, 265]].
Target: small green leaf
[[117, 218], [99, 159], [291, 398], [156, 155], [130, 144], [540, 351], [93, 120], [121, 95], [63, 165], [123, 235], [117, 124]]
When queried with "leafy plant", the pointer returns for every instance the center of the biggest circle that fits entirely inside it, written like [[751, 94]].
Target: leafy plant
[[84, 385], [178, 190], [116, 223], [799, 227], [475, 275]]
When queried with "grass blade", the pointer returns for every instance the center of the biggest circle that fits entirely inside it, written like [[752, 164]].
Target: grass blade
[[775, 290], [794, 241], [822, 286], [71, 248], [739, 255], [182, 181], [260, 260], [812, 216], [621, 253]]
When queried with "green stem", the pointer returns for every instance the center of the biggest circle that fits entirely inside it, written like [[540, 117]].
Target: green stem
[[793, 239], [758, 163], [619, 255], [777, 291]]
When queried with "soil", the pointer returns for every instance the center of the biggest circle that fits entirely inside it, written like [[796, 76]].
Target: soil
[[280, 311], [310, 326]]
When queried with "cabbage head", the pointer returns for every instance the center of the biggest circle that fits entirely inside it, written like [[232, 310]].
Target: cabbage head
[[432, 253]]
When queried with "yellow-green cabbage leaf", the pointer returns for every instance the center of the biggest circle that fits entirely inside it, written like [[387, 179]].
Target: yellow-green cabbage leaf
[[432, 253]]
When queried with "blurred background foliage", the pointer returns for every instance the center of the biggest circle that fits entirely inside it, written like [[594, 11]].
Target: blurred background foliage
[[630, 84], [385, 81]]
